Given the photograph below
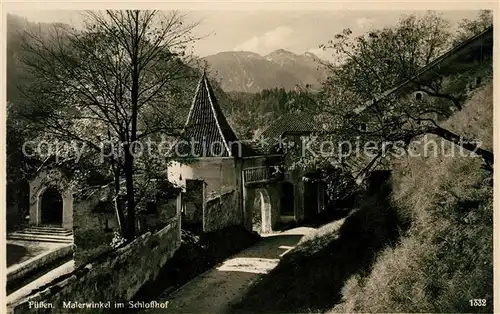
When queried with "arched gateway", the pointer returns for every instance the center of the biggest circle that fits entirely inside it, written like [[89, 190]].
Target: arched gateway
[[51, 209], [262, 205], [261, 212], [51, 200]]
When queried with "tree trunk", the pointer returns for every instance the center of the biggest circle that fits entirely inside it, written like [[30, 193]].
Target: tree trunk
[[129, 182], [458, 140], [129, 157], [118, 205]]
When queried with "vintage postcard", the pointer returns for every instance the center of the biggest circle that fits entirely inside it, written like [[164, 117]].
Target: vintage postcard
[[249, 157]]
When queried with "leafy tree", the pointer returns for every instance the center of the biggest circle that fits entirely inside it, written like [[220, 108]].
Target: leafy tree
[[119, 81], [468, 28], [380, 59], [362, 108]]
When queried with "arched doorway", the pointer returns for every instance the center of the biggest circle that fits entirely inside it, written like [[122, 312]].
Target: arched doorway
[[261, 214], [311, 192], [287, 199], [52, 207]]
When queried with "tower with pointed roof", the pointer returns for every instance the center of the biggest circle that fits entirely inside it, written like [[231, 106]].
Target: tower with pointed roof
[[208, 148], [206, 126], [209, 162]]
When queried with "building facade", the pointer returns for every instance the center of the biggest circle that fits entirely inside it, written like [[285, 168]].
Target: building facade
[[214, 163]]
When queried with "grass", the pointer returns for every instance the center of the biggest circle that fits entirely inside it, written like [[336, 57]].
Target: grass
[[422, 244], [446, 257]]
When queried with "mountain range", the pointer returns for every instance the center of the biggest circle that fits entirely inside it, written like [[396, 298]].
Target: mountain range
[[235, 71], [244, 71]]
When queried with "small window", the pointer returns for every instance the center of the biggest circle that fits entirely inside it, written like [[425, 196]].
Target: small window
[[418, 96]]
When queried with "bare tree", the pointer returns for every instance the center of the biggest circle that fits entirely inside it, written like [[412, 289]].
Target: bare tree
[[117, 81]]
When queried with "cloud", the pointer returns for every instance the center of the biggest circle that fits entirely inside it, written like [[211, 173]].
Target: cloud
[[364, 22], [274, 39]]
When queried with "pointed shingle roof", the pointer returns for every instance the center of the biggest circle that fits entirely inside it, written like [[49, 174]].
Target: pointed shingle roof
[[206, 125]]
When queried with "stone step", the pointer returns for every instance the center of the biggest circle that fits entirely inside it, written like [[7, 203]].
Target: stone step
[[40, 238], [40, 234], [43, 232], [50, 240], [48, 228], [36, 230]]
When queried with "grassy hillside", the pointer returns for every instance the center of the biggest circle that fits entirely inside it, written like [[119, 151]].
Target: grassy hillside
[[446, 258], [423, 244]]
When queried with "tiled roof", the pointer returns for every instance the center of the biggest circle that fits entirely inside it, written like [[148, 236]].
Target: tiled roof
[[299, 123], [207, 127]]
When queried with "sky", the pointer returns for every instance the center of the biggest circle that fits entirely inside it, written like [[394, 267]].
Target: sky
[[266, 31]]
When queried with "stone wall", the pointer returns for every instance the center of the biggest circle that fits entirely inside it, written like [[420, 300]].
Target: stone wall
[[92, 228], [95, 223], [115, 277], [295, 178], [222, 211], [165, 211], [194, 202], [206, 180], [218, 173]]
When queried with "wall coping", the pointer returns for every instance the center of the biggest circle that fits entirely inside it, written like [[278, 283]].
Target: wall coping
[[213, 198], [16, 271], [191, 162], [81, 271], [261, 156]]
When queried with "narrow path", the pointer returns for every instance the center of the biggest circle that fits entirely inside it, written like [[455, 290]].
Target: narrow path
[[217, 289]]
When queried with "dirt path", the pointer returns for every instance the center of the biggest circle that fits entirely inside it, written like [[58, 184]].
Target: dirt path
[[215, 290]]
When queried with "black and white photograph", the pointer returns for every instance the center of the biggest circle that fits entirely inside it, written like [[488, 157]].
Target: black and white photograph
[[220, 158]]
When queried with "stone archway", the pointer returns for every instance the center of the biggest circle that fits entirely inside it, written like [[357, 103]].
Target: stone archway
[[261, 212], [261, 208], [51, 200], [51, 208]]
